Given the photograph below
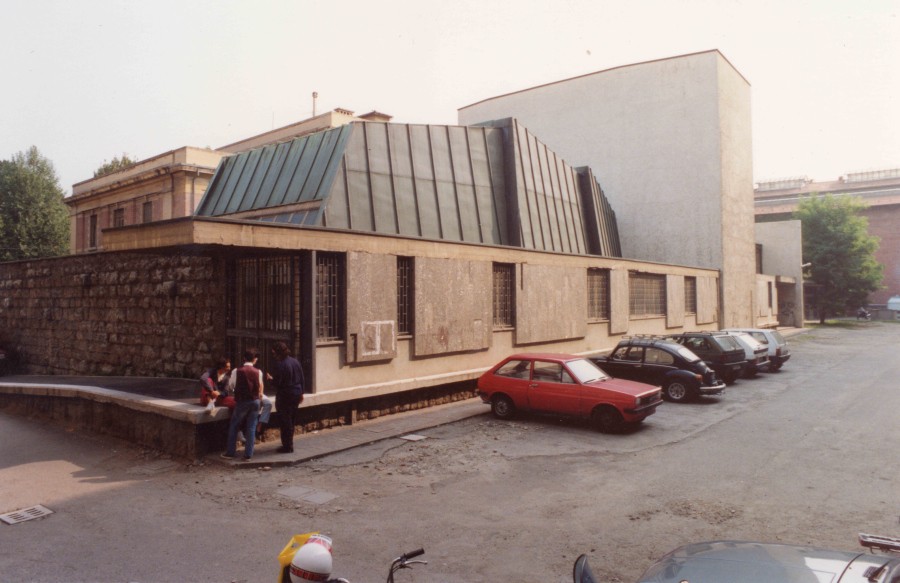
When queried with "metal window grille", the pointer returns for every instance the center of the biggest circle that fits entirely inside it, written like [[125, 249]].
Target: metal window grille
[[92, 242], [647, 294], [148, 212], [119, 217], [504, 300], [329, 297], [690, 295], [598, 294], [404, 295]]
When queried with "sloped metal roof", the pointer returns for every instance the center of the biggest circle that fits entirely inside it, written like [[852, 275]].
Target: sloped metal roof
[[494, 184]]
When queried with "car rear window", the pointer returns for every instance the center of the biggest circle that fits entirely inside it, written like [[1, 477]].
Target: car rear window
[[517, 369], [779, 339], [727, 342], [686, 354], [760, 336]]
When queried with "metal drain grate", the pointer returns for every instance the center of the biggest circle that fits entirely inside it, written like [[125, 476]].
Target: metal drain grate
[[25, 514]]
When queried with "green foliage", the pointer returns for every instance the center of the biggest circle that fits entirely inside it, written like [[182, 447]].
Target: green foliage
[[113, 165], [842, 253], [34, 220]]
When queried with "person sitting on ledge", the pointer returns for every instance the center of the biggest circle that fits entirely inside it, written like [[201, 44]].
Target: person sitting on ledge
[[214, 386]]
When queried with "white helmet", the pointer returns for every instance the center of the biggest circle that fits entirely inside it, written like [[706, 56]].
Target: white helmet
[[312, 561]]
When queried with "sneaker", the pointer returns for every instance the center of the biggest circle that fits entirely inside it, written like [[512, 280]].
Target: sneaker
[[211, 406], [246, 459], [241, 437], [227, 456], [284, 449]]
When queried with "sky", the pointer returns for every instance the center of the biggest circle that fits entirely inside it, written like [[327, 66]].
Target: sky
[[88, 80]]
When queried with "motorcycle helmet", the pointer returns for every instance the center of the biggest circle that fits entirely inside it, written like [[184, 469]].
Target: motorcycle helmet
[[312, 561]]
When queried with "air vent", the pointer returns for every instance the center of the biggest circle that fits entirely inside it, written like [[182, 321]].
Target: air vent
[[25, 514]]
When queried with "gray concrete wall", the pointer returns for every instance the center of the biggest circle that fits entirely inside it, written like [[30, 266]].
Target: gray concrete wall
[[669, 141], [782, 244]]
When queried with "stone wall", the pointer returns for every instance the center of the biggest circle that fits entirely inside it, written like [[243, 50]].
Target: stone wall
[[124, 314]]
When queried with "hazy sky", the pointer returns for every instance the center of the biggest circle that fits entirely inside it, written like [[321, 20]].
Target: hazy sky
[[87, 80]]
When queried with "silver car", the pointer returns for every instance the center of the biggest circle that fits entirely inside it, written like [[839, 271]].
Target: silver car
[[779, 353], [753, 562]]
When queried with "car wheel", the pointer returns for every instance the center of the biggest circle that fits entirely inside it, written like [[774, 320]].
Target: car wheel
[[677, 392], [608, 419], [502, 407], [729, 378]]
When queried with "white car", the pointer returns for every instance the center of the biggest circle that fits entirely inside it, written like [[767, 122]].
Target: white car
[[756, 352], [779, 353]]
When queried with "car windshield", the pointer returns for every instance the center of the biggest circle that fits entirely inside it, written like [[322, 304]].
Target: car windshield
[[687, 354], [586, 371]]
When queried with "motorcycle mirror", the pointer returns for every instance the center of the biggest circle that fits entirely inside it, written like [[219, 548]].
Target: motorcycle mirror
[[582, 571]]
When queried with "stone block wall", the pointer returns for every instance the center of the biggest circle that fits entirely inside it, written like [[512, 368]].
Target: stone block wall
[[122, 314]]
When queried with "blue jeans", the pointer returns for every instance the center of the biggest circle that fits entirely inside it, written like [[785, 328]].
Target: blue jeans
[[244, 410]]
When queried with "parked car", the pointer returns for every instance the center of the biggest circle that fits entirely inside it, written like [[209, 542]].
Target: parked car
[[681, 373], [754, 562], [779, 353], [719, 350], [757, 354], [569, 385]]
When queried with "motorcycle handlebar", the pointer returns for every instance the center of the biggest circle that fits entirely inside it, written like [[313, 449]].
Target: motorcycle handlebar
[[413, 554]]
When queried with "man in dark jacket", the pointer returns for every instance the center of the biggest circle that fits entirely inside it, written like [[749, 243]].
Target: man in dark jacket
[[287, 377]]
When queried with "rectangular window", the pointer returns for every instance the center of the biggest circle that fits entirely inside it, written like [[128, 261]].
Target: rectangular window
[[92, 234], [759, 258], [504, 296], [771, 298], [330, 297], [119, 218], [646, 294], [404, 296], [148, 212], [598, 294], [690, 295]]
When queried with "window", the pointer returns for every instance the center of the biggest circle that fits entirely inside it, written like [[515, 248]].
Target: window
[[92, 234], [647, 294], [771, 298], [329, 297], [148, 212], [657, 356], [690, 295], [504, 300], [598, 294], [518, 369], [119, 218], [759, 258], [404, 296]]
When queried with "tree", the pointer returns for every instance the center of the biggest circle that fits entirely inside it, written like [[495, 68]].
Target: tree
[[841, 252], [114, 165], [34, 220]]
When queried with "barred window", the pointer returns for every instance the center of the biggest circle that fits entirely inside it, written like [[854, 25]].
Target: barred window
[[92, 234], [404, 296], [598, 294], [690, 295], [647, 294], [504, 298], [330, 290], [119, 218], [147, 210], [264, 293]]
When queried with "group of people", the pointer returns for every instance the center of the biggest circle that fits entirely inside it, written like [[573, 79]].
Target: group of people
[[241, 390]]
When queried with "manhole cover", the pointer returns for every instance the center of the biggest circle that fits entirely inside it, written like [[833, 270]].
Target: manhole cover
[[31, 513]]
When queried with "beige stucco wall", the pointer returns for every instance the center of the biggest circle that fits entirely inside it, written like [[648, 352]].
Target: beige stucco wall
[[670, 142], [551, 303]]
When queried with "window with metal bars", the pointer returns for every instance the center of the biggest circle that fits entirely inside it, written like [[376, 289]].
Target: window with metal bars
[[404, 296], [598, 294], [504, 296], [690, 295], [147, 210], [119, 218], [263, 294], [330, 292], [92, 234], [646, 294]]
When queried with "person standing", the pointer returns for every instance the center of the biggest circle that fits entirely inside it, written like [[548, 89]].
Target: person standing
[[287, 376], [247, 384]]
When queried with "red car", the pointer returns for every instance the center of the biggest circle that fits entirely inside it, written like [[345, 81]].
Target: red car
[[566, 384]]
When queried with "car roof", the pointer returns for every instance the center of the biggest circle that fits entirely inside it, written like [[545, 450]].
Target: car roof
[[649, 341], [560, 356]]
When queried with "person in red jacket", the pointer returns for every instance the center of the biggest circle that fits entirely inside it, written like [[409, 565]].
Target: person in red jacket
[[214, 386]]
